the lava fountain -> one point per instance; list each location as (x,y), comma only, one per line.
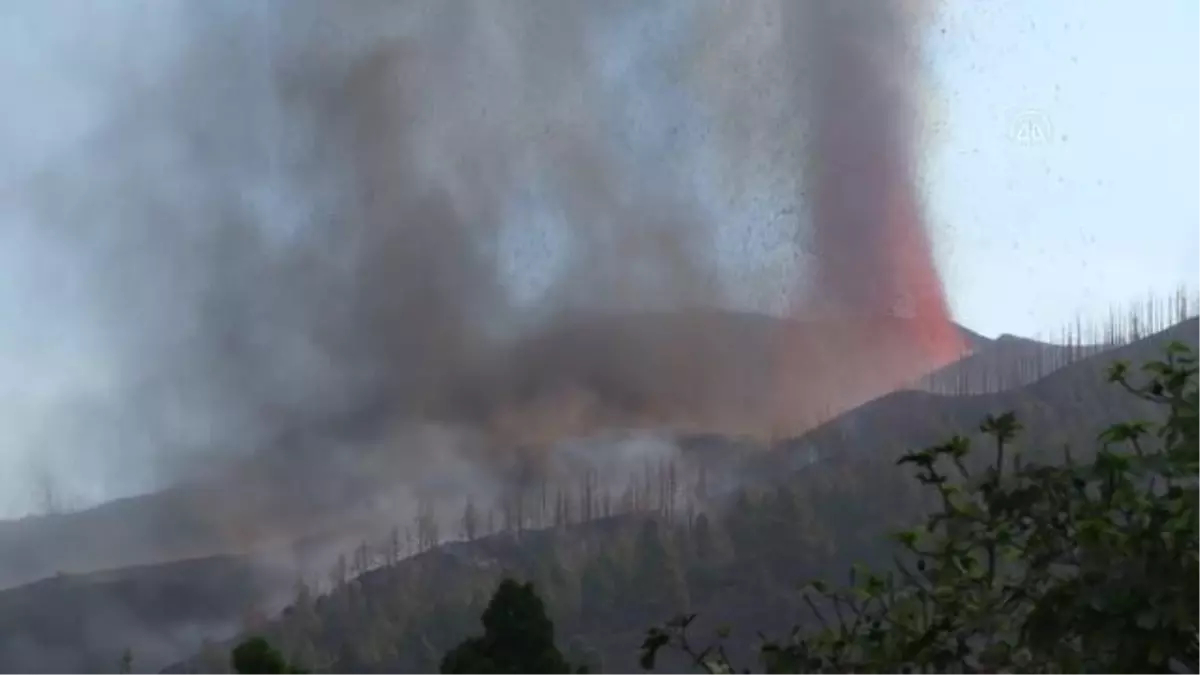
(875,288)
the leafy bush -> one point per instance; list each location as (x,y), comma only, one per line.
(1078,566)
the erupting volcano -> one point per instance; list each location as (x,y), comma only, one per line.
(875,283)
(302,236)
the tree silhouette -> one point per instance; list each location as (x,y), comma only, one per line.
(256,655)
(518,637)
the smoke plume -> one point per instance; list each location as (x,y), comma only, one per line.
(317,220)
(863,166)
(873,257)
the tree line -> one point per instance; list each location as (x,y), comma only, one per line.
(1084,563)
(1014,362)
(667,489)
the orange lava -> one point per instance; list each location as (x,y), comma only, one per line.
(860,346)
(908,253)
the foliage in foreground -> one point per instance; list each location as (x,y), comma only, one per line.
(1072,567)
(518,637)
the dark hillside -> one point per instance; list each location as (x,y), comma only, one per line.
(83,623)
(1011,361)
(1005,363)
(1072,404)
(605,581)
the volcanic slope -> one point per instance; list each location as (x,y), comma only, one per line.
(83,623)
(606,581)
(598,590)
(1005,363)
(1070,405)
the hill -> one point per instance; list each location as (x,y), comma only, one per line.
(1010,361)
(605,581)
(1005,363)
(82,623)
(1070,405)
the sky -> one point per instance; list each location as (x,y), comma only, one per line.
(1060,165)
(1108,208)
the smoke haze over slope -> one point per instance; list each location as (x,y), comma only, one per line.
(300,215)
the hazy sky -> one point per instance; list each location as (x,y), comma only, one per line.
(1109,208)
(1061,169)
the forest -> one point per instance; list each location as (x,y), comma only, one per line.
(1036,555)
(727,529)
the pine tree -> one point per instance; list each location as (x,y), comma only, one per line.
(338,575)
(255,655)
(394,547)
(470,521)
(518,637)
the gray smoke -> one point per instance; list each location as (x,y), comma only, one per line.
(314,219)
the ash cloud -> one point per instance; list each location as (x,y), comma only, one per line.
(308,221)
(874,255)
